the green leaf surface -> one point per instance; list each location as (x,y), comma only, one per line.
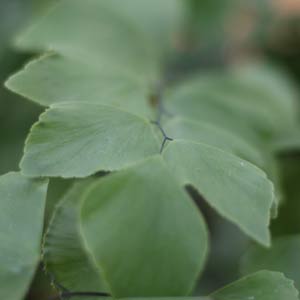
(191,101)
(112,54)
(131,21)
(78,139)
(53,79)
(284,256)
(151,244)
(168,16)
(235,188)
(250,96)
(56,189)
(268,87)
(268,112)
(22,203)
(92,31)
(197,131)
(64,253)
(264,285)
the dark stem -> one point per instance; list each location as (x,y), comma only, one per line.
(164,143)
(64,293)
(165,136)
(68,295)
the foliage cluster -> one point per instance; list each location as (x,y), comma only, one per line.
(136,145)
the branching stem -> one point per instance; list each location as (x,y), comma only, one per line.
(165,136)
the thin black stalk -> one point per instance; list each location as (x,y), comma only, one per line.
(69,295)
(165,136)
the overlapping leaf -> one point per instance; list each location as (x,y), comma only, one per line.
(91,32)
(236,189)
(54,78)
(106,215)
(152,244)
(64,252)
(106,52)
(100,52)
(202,132)
(254,97)
(78,139)
(21,221)
(95,22)
(249,110)
(101,55)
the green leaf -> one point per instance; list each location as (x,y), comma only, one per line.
(64,253)
(89,68)
(92,32)
(145,234)
(263,285)
(22,203)
(168,16)
(132,20)
(250,96)
(269,88)
(191,101)
(56,189)
(78,139)
(197,131)
(235,188)
(284,256)
(53,79)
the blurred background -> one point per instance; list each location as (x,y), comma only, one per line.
(215,34)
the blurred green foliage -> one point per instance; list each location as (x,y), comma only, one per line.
(204,46)
(16,115)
